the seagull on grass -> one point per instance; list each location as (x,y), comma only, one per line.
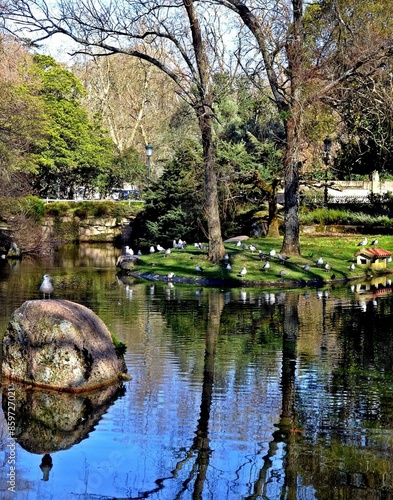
(199,269)
(266,266)
(243,272)
(363,243)
(283,258)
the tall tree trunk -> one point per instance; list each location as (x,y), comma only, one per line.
(204,109)
(291,242)
(212,213)
(295,54)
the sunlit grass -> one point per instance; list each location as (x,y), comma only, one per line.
(337,251)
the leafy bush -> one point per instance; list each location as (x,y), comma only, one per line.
(57,208)
(83,209)
(33,207)
(344,217)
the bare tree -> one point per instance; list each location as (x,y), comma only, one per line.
(174,37)
(134,99)
(301,74)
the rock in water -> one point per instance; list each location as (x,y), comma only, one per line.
(60,345)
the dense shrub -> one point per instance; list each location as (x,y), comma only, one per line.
(344,217)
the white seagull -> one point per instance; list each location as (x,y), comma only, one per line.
(46,287)
(243,272)
(198,269)
(363,242)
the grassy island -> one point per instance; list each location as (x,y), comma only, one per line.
(337,253)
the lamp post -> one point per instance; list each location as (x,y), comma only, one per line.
(327,144)
(149,152)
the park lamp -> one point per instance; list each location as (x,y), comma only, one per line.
(327,144)
(149,152)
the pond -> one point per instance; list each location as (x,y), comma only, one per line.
(235,393)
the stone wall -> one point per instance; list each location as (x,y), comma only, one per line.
(90,229)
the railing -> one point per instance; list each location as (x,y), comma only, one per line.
(52,200)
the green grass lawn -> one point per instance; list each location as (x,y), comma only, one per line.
(337,251)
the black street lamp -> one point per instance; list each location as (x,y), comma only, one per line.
(149,152)
(327,144)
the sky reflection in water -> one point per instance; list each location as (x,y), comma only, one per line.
(234,393)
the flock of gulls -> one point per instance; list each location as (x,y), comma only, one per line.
(266,259)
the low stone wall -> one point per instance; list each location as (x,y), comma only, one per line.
(89,229)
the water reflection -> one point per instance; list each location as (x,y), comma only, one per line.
(49,421)
(256,394)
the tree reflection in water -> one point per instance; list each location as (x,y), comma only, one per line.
(235,393)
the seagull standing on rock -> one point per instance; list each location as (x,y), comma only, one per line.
(46,287)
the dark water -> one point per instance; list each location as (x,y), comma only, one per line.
(235,394)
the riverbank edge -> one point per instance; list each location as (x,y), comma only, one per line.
(231,283)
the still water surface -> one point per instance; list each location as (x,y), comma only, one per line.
(235,394)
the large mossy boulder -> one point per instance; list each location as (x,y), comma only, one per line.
(60,345)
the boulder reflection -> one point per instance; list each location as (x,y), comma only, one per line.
(48,421)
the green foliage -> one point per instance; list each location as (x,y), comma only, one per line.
(127,167)
(345,217)
(35,207)
(83,209)
(174,205)
(120,347)
(24,124)
(77,152)
(57,208)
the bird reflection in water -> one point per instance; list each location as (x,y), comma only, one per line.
(46,466)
